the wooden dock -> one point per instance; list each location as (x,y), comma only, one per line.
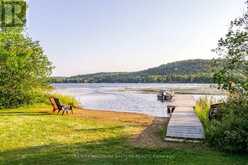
(184,124)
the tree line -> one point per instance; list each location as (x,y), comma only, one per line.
(187,71)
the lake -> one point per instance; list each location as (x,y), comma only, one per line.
(124,97)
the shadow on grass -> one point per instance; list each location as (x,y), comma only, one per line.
(112,151)
(109,151)
(24,113)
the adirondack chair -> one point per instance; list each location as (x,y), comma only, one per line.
(215,111)
(60,107)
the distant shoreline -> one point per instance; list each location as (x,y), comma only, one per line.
(209,89)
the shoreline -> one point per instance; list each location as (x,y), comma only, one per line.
(116,111)
(112,113)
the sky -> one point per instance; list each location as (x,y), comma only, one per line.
(89,36)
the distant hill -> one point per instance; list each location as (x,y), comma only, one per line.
(192,71)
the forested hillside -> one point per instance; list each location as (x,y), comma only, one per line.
(181,71)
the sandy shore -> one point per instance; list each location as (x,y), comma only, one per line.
(114,116)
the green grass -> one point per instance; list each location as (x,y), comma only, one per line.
(31,135)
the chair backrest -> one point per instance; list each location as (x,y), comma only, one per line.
(55,103)
(58,103)
(218,105)
(215,111)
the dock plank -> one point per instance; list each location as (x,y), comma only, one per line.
(184,124)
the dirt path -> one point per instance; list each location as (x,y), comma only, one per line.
(153,137)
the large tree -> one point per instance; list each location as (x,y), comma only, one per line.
(233,49)
(24,69)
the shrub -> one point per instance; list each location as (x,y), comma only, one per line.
(231,132)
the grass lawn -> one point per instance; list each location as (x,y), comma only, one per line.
(33,135)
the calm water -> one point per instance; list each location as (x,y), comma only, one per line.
(115,97)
